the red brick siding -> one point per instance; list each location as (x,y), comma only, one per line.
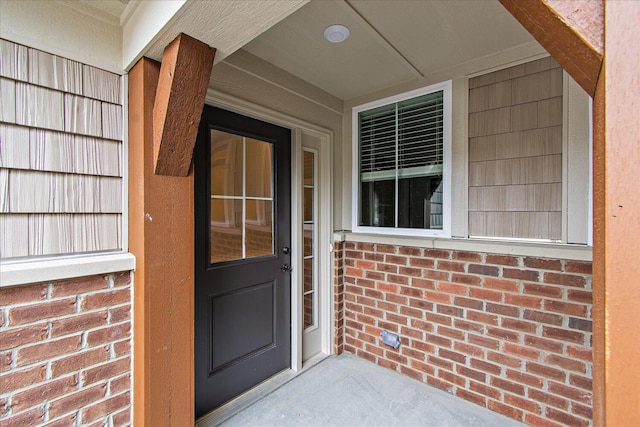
(338,293)
(509,333)
(65,349)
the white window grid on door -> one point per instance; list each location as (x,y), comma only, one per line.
(229,208)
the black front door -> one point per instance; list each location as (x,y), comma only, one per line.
(242,295)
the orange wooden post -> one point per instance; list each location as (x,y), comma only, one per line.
(161,233)
(617,203)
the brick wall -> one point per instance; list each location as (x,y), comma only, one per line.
(338,296)
(509,333)
(65,352)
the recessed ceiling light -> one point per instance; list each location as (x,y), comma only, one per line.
(336,33)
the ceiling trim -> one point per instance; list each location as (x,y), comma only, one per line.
(523,60)
(348,8)
(272,82)
(128,11)
(94,12)
(224,100)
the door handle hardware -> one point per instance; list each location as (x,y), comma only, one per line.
(286,250)
(286,267)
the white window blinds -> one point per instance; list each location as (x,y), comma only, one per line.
(404,138)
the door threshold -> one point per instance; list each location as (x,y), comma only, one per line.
(248,398)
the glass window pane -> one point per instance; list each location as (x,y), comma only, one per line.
(378,203)
(307,235)
(259,228)
(308,310)
(420,202)
(308,204)
(308,168)
(226,164)
(226,230)
(308,274)
(259,168)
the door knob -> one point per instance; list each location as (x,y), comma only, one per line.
(286,267)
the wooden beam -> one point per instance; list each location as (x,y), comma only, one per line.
(182,87)
(161,236)
(579,53)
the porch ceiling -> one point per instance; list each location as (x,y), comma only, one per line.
(391,42)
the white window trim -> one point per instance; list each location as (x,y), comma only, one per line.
(446,88)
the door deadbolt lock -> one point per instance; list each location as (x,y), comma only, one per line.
(286,250)
(286,267)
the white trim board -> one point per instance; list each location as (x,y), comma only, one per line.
(46,270)
(491,246)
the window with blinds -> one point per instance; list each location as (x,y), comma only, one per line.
(400,156)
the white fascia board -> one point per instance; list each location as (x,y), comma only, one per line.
(226,25)
(143,26)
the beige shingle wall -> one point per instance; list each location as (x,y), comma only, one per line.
(515,152)
(61,165)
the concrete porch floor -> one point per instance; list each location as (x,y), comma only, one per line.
(349,391)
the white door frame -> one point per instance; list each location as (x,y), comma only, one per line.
(300,128)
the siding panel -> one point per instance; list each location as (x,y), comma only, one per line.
(45,192)
(60,179)
(8,104)
(68,233)
(100,84)
(59,152)
(4,188)
(13,61)
(14,146)
(82,115)
(111,121)
(39,107)
(14,236)
(55,72)
(515,152)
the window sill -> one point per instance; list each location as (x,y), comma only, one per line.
(502,247)
(16,273)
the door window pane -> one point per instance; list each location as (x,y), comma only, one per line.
(241,197)
(258,168)
(308,275)
(226,164)
(308,168)
(308,204)
(226,230)
(259,228)
(308,310)
(307,235)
